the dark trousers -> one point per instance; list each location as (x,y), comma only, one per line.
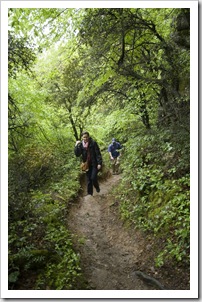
(91,177)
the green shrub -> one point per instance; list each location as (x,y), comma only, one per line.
(155,193)
(65,272)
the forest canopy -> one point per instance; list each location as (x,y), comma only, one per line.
(116,72)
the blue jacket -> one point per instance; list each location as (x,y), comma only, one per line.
(113,149)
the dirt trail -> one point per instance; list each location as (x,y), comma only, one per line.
(109,254)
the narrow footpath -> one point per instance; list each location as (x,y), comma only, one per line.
(109,253)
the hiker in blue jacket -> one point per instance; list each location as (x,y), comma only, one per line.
(115,155)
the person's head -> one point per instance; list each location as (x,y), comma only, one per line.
(85,136)
(113,141)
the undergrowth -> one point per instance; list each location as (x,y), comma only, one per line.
(155,192)
(39,241)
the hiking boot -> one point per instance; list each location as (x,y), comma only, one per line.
(98,190)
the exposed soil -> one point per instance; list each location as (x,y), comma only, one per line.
(111,252)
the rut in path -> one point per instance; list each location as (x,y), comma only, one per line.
(109,255)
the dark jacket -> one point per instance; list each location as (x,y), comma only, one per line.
(94,151)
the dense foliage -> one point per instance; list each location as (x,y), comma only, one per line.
(120,73)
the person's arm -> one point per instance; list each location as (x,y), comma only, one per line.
(110,154)
(111,157)
(119,147)
(98,156)
(78,149)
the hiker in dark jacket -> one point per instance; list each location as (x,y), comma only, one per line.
(89,150)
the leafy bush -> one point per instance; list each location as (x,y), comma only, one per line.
(41,185)
(64,272)
(156,198)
